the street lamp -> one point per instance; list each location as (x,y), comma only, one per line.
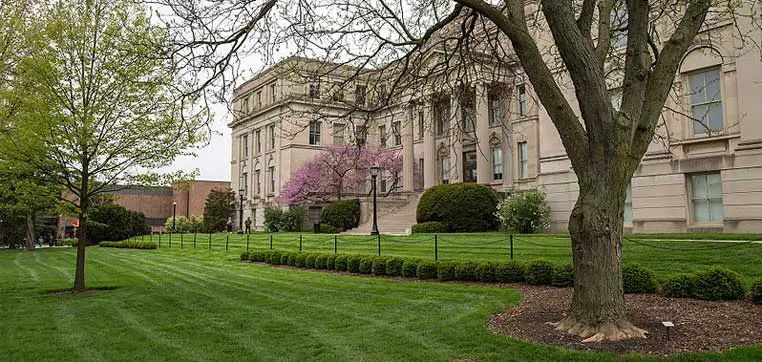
(174,215)
(241,192)
(374,170)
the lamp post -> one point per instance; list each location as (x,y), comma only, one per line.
(241,192)
(174,215)
(373,174)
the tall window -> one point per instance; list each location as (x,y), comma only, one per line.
(245,183)
(382,181)
(523,160)
(467,116)
(420,125)
(273,93)
(338,133)
(314,88)
(382,136)
(259,99)
(442,114)
(360,91)
(706,102)
(706,197)
(469,166)
(497,163)
(245,145)
(245,107)
(522,93)
(258,182)
(444,169)
(338,92)
(397,133)
(272,136)
(259,141)
(628,205)
(315,132)
(494,110)
(272,176)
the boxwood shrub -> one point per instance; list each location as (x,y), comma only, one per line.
(342,214)
(330,262)
(309,260)
(301,260)
(379,266)
(320,261)
(245,255)
(128,244)
(459,206)
(486,272)
(366,264)
(756,291)
(275,257)
(638,279)
(509,271)
(284,258)
(341,262)
(563,275)
(394,266)
(465,270)
(539,272)
(430,227)
(410,267)
(266,255)
(327,229)
(678,286)
(353,263)
(258,256)
(427,269)
(446,270)
(718,284)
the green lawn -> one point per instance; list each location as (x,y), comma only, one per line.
(173,305)
(665,257)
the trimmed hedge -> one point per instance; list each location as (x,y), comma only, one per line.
(563,275)
(678,286)
(394,266)
(301,260)
(340,263)
(430,227)
(486,272)
(366,264)
(309,261)
(292,259)
(756,291)
(427,269)
(638,279)
(342,214)
(284,258)
(718,284)
(330,262)
(461,207)
(446,270)
(466,270)
(245,256)
(539,272)
(327,229)
(353,263)
(128,244)
(321,261)
(509,271)
(410,267)
(275,257)
(379,266)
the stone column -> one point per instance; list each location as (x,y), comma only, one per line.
(483,149)
(429,147)
(408,160)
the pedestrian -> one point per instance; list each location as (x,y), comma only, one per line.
(230,225)
(248,225)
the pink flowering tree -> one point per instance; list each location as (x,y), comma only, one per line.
(339,170)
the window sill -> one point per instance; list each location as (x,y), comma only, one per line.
(706,138)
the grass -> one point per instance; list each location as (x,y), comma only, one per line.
(168,305)
(665,257)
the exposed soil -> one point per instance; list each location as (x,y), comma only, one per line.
(700,326)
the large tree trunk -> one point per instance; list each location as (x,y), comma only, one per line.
(84,203)
(29,245)
(597,311)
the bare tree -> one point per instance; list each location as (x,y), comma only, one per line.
(434,52)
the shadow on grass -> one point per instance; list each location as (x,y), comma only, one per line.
(69,291)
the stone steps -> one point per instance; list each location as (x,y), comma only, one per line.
(398,221)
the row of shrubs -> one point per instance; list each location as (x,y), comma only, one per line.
(128,244)
(713,284)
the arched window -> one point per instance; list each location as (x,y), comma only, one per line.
(443,165)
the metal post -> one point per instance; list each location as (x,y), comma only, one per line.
(300,243)
(227,241)
(170,240)
(210,241)
(181,241)
(335,241)
(436,248)
(379,244)
(247,242)
(271,241)
(194,240)
(510,237)
(374,230)
(159,239)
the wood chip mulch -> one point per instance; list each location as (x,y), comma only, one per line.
(700,326)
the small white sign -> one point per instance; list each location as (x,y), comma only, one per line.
(668,324)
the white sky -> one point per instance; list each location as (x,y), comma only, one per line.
(213,161)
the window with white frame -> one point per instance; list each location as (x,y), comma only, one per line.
(444,169)
(272,176)
(245,146)
(497,162)
(706,101)
(442,114)
(258,181)
(628,205)
(259,99)
(273,93)
(467,115)
(382,136)
(522,95)
(494,107)
(315,132)
(259,141)
(706,198)
(272,136)
(523,160)
(245,183)
(397,133)
(245,106)
(338,133)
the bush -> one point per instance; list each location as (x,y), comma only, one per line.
(509,271)
(309,261)
(327,229)
(718,284)
(446,270)
(183,225)
(341,262)
(218,207)
(394,266)
(266,257)
(485,272)
(321,261)
(245,256)
(293,219)
(756,291)
(284,258)
(465,270)
(330,262)
(379,266)
(113,222)
(275,257)
(292,258)
(525,212)
(638,279)
(563,275)
(69,242)
(459,206)
(678,286)
(427,269)
(430,227)
(273,216)
(353,263)
(539,272)
(342,214)
(128,244)
(366,265)
(258,256)
(410,267)
(300,261)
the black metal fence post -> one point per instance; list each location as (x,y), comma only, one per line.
(227,241)
(300,243)
(150,238)
(510,238)
(181,241)
(379,244)
(160,239)
(170,240)
(194,240)
(210,241)
(436,248)
(271,241)
(335,242)
(247,242)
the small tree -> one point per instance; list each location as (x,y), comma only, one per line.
(525,212)
(219,206)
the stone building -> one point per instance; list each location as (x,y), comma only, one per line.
(702,172)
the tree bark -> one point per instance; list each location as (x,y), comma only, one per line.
(84,203)
(29,245)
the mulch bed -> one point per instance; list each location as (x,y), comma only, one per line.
(700,326)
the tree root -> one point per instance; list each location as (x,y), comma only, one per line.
(606,331)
